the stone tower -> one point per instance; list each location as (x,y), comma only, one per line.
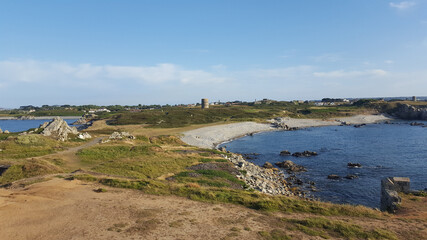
(205,103)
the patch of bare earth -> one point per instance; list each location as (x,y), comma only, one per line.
(62,209)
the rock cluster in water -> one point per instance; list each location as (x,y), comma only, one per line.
(266,180)
(291,166)
(58,128)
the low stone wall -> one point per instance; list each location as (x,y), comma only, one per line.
(390,187)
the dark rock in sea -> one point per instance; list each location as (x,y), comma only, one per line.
(416,124)
(354,165)
(334,177)
(298,181)
(351,176)
(268,165)
(291,166)
(359,125)
(222,149)
(249,156)
(304,154)
(285,153)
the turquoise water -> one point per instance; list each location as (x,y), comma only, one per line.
(384,150)
(23,125)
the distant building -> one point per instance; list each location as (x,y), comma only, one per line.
(205,103)
(414,98)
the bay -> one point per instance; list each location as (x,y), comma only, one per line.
(384,150)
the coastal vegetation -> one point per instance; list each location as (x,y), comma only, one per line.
(159,163)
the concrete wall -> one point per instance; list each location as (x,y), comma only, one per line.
(390,187)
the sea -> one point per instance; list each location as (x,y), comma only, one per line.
(23,125)
(384,150)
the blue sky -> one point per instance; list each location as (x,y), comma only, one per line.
(144,52)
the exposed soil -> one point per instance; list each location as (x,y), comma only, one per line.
(62,209)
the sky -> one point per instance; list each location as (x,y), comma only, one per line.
(133,52)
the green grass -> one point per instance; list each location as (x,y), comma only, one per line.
(206,160)
(253,200)
(29,168)
(325,228)
(104,153)
(178,116)
(26,146)
(143,162)
(275,234)
(220,174)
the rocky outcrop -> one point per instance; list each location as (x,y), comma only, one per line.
(334,177)
(85,119)
(304,154)
(390,187)
(406,111)
(6,132)
(119,136)
(285,153)
(262,179)
(291,166)
(351,176)
(354,165)
(58,128)
(268,165)
(1,131)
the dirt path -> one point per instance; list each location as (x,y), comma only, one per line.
(69,155)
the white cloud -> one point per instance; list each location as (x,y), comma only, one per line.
(402,5)
(389,61)
(36,71)
(351,74)
(24,82)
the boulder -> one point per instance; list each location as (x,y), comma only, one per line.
(354,165)
(285,153)
(334,177)
(291,166)
(351,176)
(416,124)
(6,132)
(359,125)
(84,136)
(304,154)
(222,149)
(121,135)
(268,165)
(58,128)
(1,131)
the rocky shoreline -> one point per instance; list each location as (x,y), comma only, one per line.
(266,180)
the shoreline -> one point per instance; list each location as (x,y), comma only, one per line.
(211,137)
(42,118)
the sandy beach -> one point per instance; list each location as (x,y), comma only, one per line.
(210,137)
